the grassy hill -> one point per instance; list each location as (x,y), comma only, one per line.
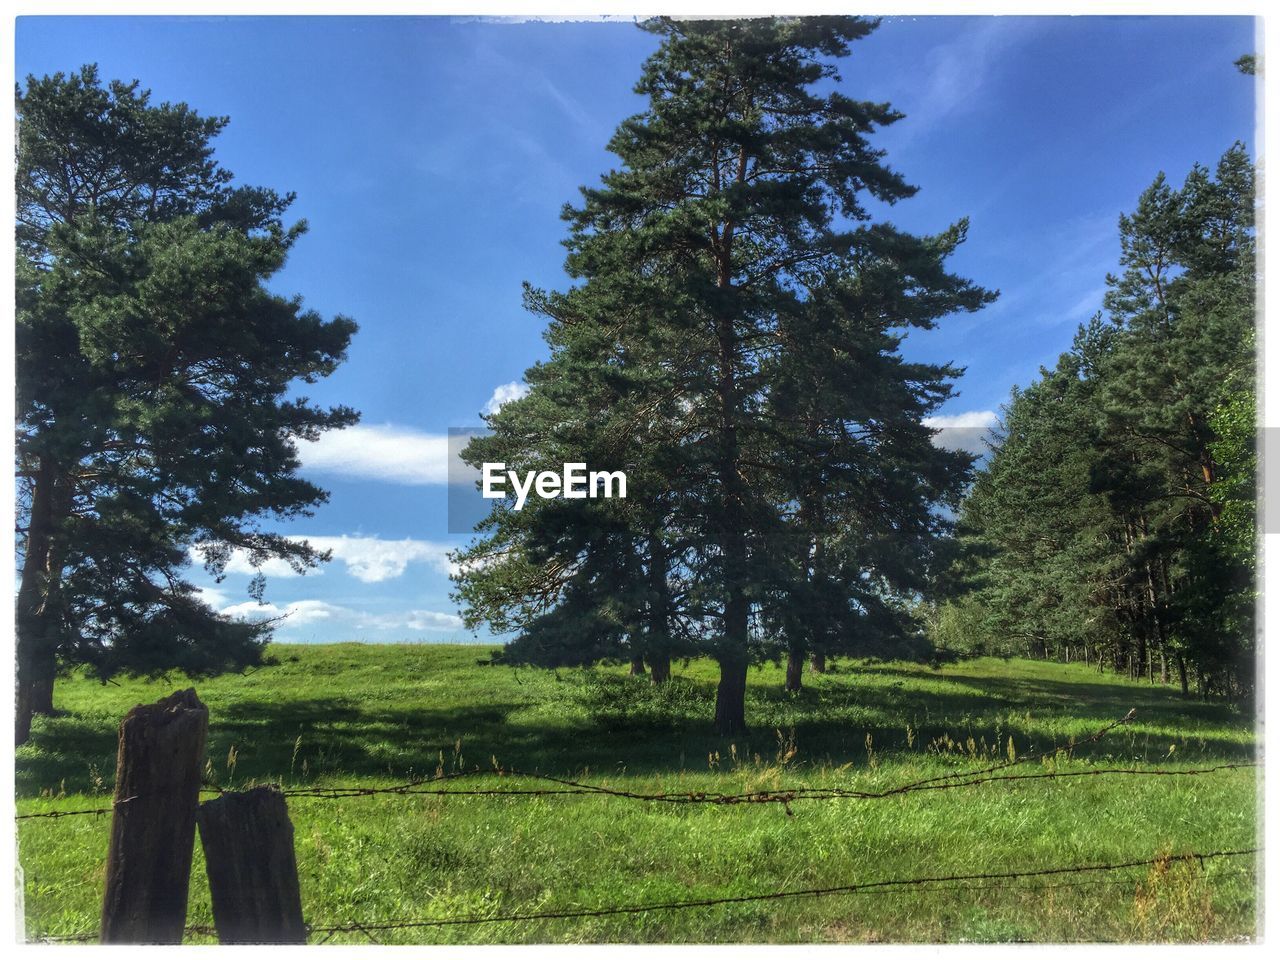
(349,713)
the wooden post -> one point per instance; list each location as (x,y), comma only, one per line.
(253,873)
(153,827)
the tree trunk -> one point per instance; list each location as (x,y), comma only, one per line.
(637,666)
(44,670)
(1182,675)
(731,697)
(659,668)
(818,663)
(795,670)
(731,694)
(36,631)
(36,668)
(659,639)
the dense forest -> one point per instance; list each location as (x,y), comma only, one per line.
(1114,519)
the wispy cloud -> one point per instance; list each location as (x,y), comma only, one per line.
(955,72)
(1076,256)
(416,620)
(974,418)
(299,613)
(373,560)
(1088,304)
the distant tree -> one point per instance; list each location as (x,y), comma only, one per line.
(728,252)
(152,372)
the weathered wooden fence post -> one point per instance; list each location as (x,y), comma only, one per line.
(158,767)
(253,873)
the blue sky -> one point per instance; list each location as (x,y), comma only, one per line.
(431,157)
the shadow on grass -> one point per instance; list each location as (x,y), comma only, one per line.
(601,721)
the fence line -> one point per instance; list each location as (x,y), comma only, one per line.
(354,926)
(575,786)
(943,883)
(781,795)
(147,899)
(785,796)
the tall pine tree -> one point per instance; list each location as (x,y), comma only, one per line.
(153,369)
(726,271)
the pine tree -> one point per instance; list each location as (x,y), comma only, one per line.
(1115,512)
(728,251)
(859,475)
(152,373)
(1185,305)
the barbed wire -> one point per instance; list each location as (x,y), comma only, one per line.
(777,795)
(971,882)
(784,796)
(356,926)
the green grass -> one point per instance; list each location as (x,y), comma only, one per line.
(350,713)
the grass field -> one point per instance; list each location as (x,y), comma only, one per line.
(350,713)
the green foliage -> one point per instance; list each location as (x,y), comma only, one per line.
(1116,513)
(1235,487)
(401,711)
(153,377)
(732,344)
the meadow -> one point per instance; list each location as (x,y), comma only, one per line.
(351,714)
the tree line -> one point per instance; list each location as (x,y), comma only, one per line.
(1114,521)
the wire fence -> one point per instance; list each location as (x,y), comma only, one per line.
(784,796)
(443,784)
(967,882)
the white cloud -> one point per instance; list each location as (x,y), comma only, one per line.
(372,560)
(962,431)
(505,394)
(388,453)
(975,418)
(300,613)
(212,596)
(413,620)
(431,620)
(368,559)
(295,614)
(239,563)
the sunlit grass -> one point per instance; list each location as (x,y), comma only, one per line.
(380,714)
